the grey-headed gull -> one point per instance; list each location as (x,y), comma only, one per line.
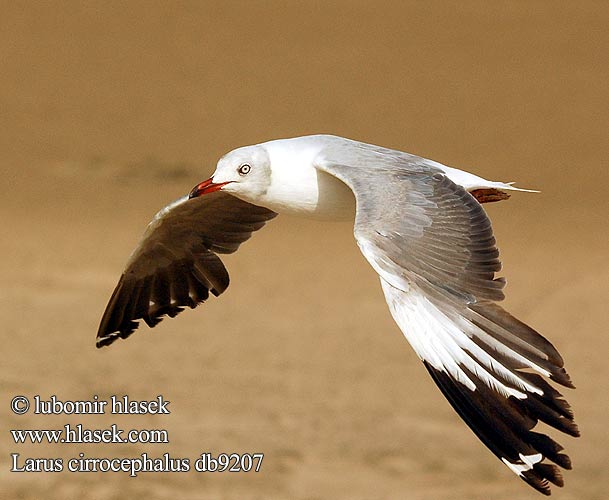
(421,226)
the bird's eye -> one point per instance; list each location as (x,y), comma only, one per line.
(244,169)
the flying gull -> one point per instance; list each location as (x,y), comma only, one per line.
(421,226)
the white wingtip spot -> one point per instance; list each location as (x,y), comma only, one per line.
(531,459)
(529,462)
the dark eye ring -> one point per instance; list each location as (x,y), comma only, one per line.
(244,169)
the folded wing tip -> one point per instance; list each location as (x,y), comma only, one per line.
(105,338)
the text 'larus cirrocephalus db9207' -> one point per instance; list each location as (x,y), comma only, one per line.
(421,226)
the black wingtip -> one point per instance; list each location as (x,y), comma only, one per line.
(505,426)
(106,338)
(183,284)
(105,341)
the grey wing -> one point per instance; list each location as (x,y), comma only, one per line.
(433,247)
(175,264)
(413,223)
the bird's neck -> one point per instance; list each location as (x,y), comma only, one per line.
(298,188)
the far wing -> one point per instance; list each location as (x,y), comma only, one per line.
(175,264)
(433,247)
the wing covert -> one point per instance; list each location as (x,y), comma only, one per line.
(418,225)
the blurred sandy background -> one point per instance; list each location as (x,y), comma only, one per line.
(109,110)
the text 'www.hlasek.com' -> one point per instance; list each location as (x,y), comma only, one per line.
(75,433)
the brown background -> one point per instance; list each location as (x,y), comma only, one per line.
(110,110)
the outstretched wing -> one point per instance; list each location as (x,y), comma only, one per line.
(433,247)
(175,264)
